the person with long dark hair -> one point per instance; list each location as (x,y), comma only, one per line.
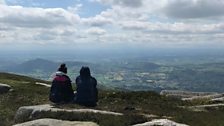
(86,87)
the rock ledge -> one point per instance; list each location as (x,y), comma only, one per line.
(28,113)
(54,122)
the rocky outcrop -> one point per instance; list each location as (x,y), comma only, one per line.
(213,100)
(161,122)
(4,88)
(212,97)
(200,108)
(28,113)
(54,122)
(217,100)
(185,94)
(189,96)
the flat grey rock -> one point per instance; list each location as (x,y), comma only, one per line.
(28,113)
(4,88)
(221,99)
(186,94)
(54,122)
(161,122)
(190,96)
(208,97)
(200,108)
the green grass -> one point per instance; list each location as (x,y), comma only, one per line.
(25,92)
(132,104)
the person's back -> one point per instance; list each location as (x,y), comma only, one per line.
(61,89)
(87,93)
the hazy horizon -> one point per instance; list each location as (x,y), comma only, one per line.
(96,54)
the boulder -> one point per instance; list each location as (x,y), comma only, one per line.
(43,84)
(54,122)
(4,88)
(28,113)
(161,122)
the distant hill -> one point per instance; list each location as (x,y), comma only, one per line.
(41,68)
(33,65)
(47,66)
(41,65)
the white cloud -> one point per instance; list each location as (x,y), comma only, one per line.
(36,17)
(150,22)
(128,3)
(76,8)
(36,25)
(96,31)
(173,28)
(54,34)
(96,21)
(153,22)
(172,8)
(194,8)
(2,2)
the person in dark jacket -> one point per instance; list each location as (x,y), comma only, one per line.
(61,88)
(87,93)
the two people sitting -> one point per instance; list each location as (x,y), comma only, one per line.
(86,88)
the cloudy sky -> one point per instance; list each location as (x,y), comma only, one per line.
(151,23)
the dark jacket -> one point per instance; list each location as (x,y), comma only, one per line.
(87,93)
(61,89)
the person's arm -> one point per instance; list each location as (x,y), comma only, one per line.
(95,89)
(69,84)
(94,82)
(77,81)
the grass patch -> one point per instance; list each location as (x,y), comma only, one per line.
(132,104)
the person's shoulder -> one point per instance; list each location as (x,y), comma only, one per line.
(94,79)
(78,77)
(67,77)
(61,78)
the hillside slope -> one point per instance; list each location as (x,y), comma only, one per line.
(136,106)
